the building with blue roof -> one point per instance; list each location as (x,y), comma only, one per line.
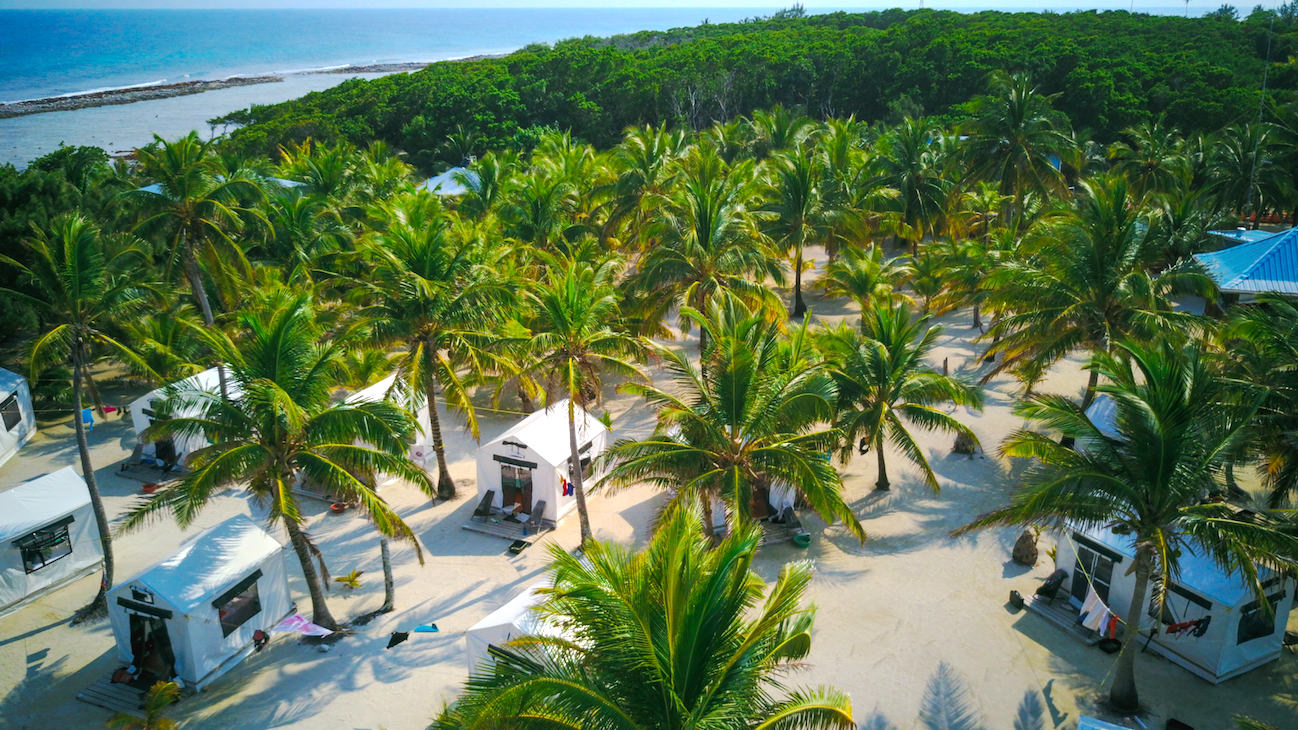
(1211,622)
(1264,265)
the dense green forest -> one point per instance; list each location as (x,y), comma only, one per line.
(1112,70)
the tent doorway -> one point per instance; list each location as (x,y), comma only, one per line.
(515,489)
(1095,566)
(151,648)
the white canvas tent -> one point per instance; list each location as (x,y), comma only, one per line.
(512,620)
(421,451)
(1238,635)
(17,419)
(144,408)
(448,183)
(193,615)
(529,462)
(48,536)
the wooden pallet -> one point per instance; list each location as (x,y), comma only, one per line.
(115,697)
(505,529)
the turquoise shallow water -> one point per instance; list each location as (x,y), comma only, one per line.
(46,53)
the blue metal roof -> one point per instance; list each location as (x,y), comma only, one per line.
(1266,265)
(1242,235)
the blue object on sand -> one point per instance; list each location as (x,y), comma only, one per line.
(429,629)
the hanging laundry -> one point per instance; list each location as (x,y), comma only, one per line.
(1111,629)
(1094,613)
(566,485)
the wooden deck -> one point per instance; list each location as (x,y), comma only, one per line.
(115,697)
(149,474)
(1061,613)
(498,526)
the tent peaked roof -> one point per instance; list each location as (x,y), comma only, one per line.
(1256,267)
(546,431)
(34,504)
(210,563)
(448,183)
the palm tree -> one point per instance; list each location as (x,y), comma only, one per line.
(193,203)
(576,337)
(1084,283)
(1262,343)
(707,241)
(1176,423)
(642,165)
(283,428)
(865,276)
(72,278)
(882,378)
(1152,158)
(429,290)
(795,214)
(156,701)
(909,162)
(754,416)
(678,635)
(778,130)
(305,234)
(1017,140)
(1244,170)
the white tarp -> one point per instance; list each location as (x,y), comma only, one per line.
(209,380)
(232,557)
(539,446)
(33,515)
(512,620)
(448,183)
(421,451)
(17,419)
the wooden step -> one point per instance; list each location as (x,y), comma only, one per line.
(115,697)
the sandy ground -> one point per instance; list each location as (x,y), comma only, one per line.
(889,612)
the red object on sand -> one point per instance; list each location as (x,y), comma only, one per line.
(149,488)
(338,507)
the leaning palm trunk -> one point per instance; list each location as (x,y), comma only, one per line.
(1123,696)
(196,285)
(578,481)
(389,585)
(1089,396)
(99,606)
(799,306)
(320,614)
(445,485)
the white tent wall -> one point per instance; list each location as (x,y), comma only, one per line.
(46,505)
(1201,590)
(421,451)
(17,418)
(226,560)
(208,380)
(540,443)
(510,621)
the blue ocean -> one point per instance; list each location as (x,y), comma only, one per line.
(48,53)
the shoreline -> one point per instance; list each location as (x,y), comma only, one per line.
(149,92)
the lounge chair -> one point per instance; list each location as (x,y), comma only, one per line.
(1051,588)
(483,510)
(534,520)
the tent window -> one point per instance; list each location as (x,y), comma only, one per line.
(45,546)
(237,609)
(9,411)
(515,488)
(1255,622)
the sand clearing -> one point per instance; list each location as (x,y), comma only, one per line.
(889,611)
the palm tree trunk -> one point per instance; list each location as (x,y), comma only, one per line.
(195,277)
(882,483)
(389,586)
(574,467)
(1089,396)
(709,521)
(1123,696)
(445,485)
(799,306)
(320,614)
(99,606)
(978,319)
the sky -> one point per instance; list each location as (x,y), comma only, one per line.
(810,4)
